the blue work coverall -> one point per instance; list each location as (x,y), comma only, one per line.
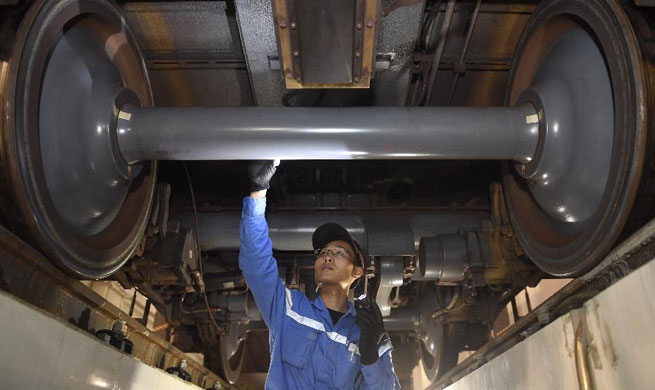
(307,351)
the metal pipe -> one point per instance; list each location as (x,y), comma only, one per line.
(252,133)
(460,66)
(438,52)
(581,364)
(292,231)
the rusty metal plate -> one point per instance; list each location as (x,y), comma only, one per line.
(347,61)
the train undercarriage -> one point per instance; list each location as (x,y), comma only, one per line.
(472,148)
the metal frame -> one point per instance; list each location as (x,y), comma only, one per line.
(631,254)
(28,275)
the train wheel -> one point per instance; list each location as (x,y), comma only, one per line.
(580,63)
(438,346)
(226,356)
(72,63)
(439,351)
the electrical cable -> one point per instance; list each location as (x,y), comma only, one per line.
(202,275)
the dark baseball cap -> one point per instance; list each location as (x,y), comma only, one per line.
(331,231)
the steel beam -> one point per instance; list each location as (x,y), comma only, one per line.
(251,133)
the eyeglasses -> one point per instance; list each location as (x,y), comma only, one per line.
(336,252)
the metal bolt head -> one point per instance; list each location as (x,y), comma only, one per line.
(293,25)
(120,327)
(359,26)
(358,54)
(370,23)
(182,365)
(356,79)
(296,53)
(298,79)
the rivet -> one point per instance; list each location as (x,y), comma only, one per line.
(365,74)
(359,26)
(293,25)
(296,54)
(356,79)
(370,23)
(282,23)
(298,79)
(358,54)
(289,74)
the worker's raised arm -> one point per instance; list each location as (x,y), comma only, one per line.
(256,250)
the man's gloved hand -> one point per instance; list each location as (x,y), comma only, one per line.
(260,173)
(369,319)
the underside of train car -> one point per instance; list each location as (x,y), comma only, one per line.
(472,148)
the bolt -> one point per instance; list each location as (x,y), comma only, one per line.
(358,54)
(370,23)
(120,327)
(298,79)
(359,26)
(293,25)
(296,53)
(289,74)
(182,365)
(365,74)
(356,79)
(216,386)
(282,23)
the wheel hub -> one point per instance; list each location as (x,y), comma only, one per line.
(77,140)
(580,65)
(573,95)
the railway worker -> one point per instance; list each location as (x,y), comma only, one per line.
(322,344)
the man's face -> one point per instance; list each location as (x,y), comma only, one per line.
(334,264)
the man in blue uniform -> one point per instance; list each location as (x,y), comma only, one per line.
(320,344)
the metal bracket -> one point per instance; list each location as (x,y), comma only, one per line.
(391,275)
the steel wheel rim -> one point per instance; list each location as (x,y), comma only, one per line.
(231,365)
(432,359)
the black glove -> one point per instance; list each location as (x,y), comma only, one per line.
(369,319)
(260,173)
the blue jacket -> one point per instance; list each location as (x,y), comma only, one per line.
(307,351)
